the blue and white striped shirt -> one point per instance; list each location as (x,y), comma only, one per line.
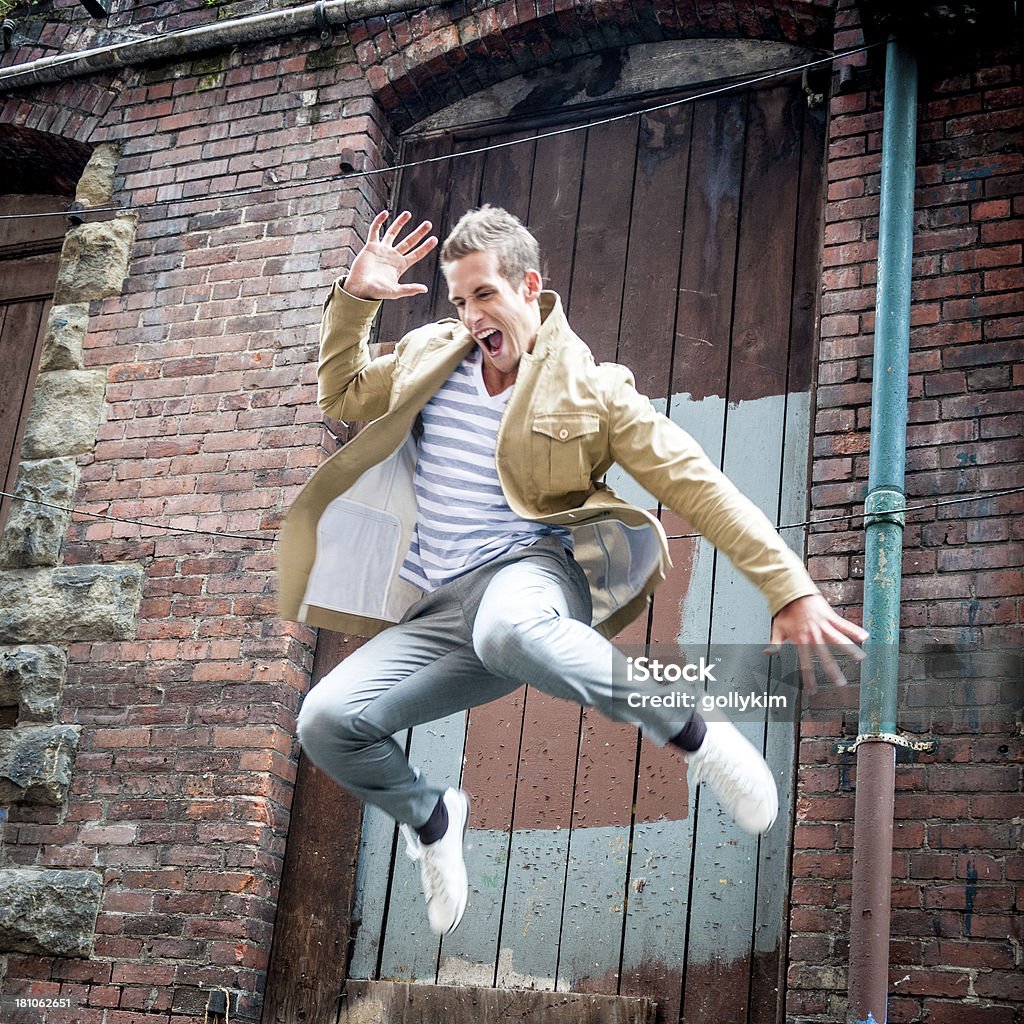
(463,519)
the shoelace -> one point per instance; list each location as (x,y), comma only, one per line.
(413,846)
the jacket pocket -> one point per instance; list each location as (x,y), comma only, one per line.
(560,450)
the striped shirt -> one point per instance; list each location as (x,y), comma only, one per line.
(463,519)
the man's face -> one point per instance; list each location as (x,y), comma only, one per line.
(502,317)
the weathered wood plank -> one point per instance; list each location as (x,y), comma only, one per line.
(470,955)
(420,194)
(21,336)
(460,193)
(771,914)
(655,245)
(704,318)
(369,1002)
(590,948)
(653,941)
(595,881)
(554,205)
(595,295)
(720,958)
(372,885)
(26,236)
(409,948)
(531,920)
(508,173)
(764,271)
(32,277)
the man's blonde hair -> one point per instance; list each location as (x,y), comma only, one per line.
(492,229)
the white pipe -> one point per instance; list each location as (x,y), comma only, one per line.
(221,35)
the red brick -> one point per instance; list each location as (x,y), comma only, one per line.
(960,1012)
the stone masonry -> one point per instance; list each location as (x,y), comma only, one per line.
(44,606)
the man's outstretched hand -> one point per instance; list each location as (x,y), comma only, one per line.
(376,271)
(811,625)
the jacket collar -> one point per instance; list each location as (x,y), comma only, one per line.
(554,327)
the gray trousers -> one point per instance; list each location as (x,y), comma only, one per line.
(523,617)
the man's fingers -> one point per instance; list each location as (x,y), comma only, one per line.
(806,662)
(420,251)
(831,666)
(844,643)
(376,224)
(396,227)
(413,238)
(405,290)
(847,628)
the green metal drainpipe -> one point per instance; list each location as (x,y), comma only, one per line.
(877,739)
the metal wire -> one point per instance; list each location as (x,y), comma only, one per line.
(263,539)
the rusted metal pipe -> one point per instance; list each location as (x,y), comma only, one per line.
(870,904)
(316,18)
(872,881)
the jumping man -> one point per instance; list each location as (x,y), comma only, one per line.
(467,530)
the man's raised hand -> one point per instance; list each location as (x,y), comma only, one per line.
(814,628)
(376,271)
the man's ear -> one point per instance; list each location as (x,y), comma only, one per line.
(533,284)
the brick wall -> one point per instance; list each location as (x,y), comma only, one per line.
(182,783)
(957,864)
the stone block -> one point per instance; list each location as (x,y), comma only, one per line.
(32,678)
(96,185)
(48,912)
(36,763)
(69,603)
(94,260)
(65,336)
(65,415)
(34,533)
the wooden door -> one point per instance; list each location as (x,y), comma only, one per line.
(28,272)
(684,245)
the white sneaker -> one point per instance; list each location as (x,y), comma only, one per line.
(730,764)
(442,869)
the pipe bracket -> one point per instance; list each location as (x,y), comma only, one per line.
(885,506)
(322,23)
(896,739)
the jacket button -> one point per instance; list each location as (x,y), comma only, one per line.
(563,434)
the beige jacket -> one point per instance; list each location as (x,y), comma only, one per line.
(567,420)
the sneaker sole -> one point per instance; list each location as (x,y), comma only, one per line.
(465,825)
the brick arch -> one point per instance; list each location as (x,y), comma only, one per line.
(421,62)
(38,163)
(73,110)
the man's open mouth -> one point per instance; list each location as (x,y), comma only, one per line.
(491,342)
